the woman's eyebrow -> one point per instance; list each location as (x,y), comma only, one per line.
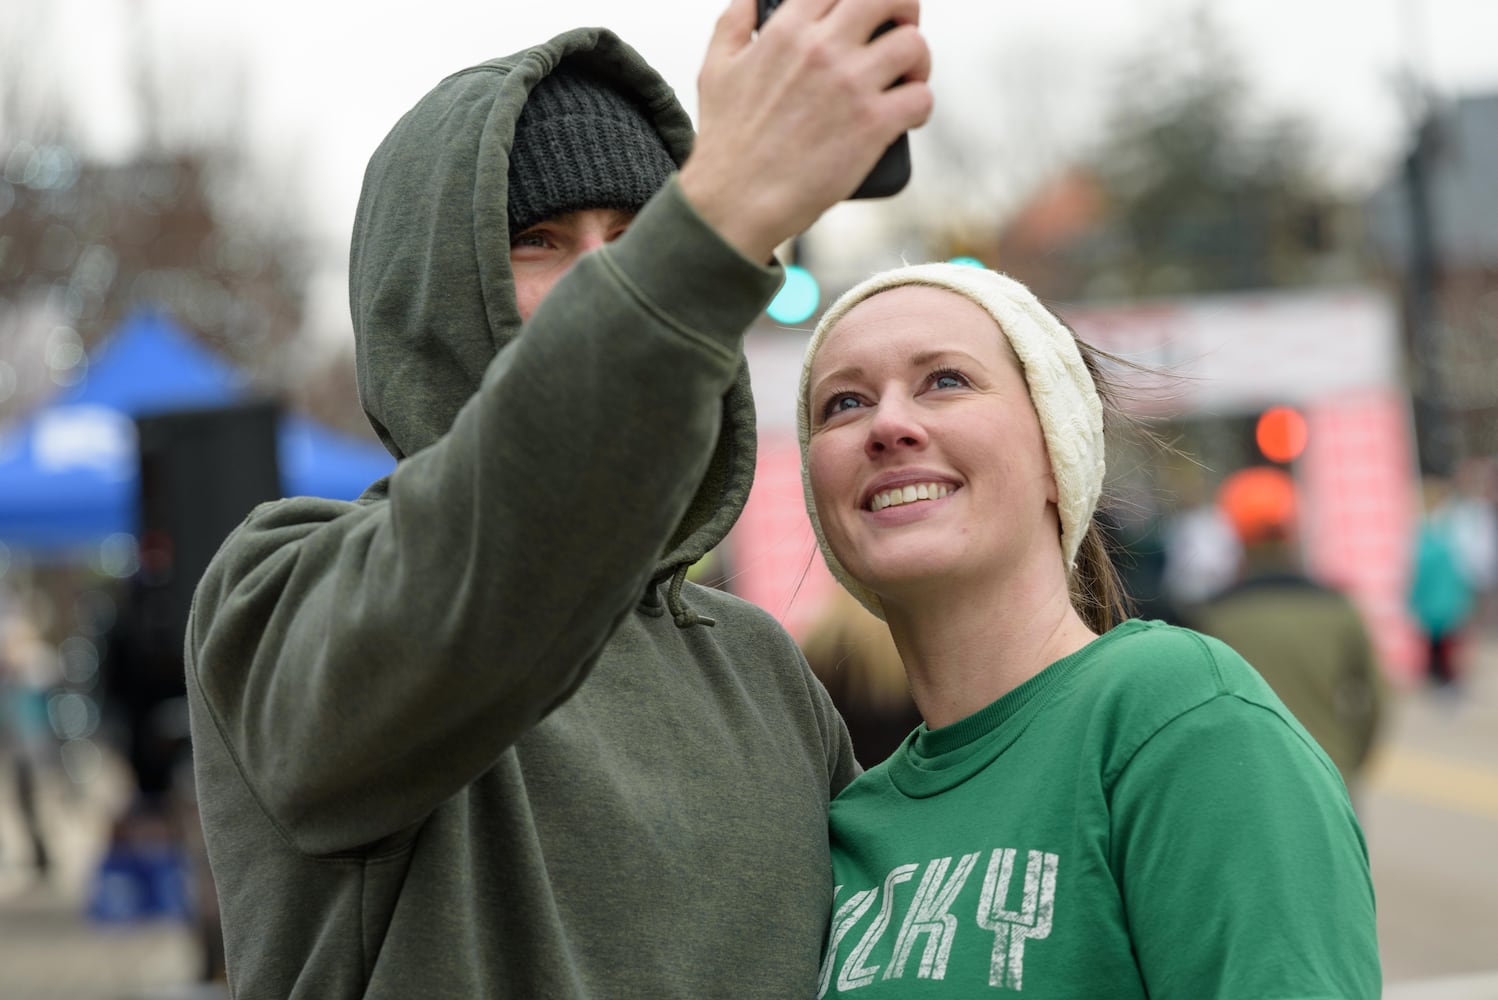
(925,358)
(847,373)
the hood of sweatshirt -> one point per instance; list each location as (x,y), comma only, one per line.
(430,285)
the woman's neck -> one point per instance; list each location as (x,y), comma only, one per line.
(965,647)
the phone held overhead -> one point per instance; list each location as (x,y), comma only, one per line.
(892,171)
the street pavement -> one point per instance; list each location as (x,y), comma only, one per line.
(1429,809)
(1430,813)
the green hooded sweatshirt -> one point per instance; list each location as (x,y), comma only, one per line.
(473,736)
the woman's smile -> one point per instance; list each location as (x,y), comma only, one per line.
(908,493)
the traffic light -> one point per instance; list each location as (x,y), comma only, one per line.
(798,298)
(1281,434)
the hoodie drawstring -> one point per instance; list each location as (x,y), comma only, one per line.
(683,616)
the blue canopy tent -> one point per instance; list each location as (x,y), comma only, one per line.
(68,472)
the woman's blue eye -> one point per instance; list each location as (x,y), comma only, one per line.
(947,380)
(838,404)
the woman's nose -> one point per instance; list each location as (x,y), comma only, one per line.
(895,425)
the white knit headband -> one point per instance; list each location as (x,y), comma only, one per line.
(1061,388)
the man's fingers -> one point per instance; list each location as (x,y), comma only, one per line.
(912,102)
(861,18)
(734,28)
(802,11)
(902,55)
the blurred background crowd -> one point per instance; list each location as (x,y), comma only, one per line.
(1315,454)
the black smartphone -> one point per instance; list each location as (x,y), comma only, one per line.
(892,171)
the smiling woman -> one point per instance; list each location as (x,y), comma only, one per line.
(922,437)
(943,346)
(1093,807)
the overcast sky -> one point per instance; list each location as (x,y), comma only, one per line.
(321,81)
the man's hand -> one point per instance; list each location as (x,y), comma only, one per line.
(792,120)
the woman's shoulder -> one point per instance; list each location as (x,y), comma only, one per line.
(1173,654)
(1158,671)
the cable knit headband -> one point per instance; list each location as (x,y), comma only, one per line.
(1061,389)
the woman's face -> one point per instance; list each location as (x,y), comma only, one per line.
(926,458)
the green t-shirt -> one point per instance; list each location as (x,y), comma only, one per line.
(1142,819)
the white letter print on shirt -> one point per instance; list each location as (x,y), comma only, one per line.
(928,914)
(1012,928)
(847,915)
(854,973)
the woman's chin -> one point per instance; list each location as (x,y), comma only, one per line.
(904,578)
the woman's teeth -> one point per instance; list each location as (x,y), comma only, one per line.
(909,494)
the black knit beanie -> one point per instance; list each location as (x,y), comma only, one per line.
(581,144)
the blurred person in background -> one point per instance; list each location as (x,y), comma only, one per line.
(852,653)
(1442,597)
(1473,522)
(475,735)
(1308,640)
(1094,807)
(1201,551)
(153,866)
(28,671)
(145,697)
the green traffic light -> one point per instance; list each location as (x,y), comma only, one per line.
(797,299)
(967,262)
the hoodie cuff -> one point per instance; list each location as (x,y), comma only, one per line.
(685,270)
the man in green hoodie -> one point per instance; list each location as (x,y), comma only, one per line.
(474,735)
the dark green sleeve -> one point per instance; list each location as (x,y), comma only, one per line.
(1243,870)
(364,662)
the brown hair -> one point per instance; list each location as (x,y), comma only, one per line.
(1097,591)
